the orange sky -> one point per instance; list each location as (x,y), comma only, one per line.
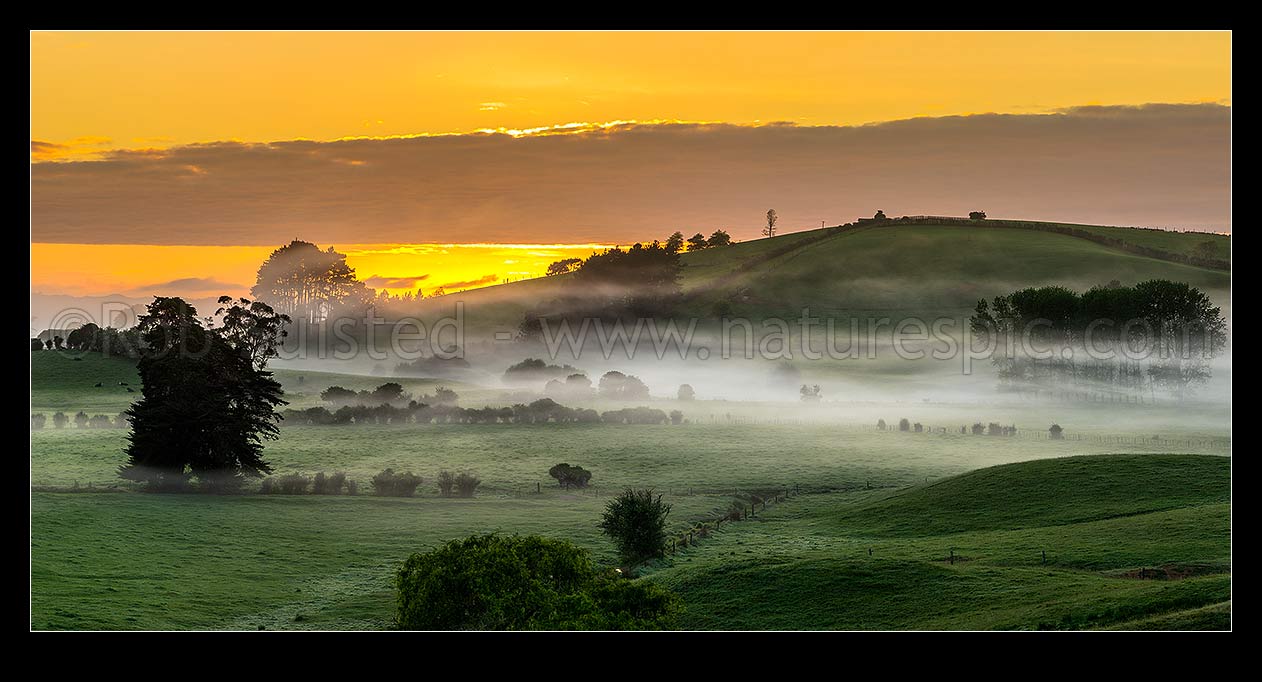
(210,271)
(96,92)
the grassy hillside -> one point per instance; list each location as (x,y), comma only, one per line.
(900,269)
(929,270)
(1042,493)
(802,564)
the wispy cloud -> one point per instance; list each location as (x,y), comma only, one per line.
(1164,165)
(189,285)
(491,106)
(406,282)
(465,284)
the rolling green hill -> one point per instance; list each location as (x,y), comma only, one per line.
(891,269)
(968,553)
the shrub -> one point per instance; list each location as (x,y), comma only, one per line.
(918,427)
(60,420)
(880,425)
(466,484)
(292,484)
(567,475)
(978,429)
(81,419)
(100,421)
(491,582)
(37,420)
(390,484)
(1056,432)
(676,417)
(319,484)
(904,425)
(446,482)
(636,521)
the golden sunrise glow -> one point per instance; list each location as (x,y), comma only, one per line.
(206,271)
(92,91)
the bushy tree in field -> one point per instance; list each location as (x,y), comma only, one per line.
(675,242)
(1056,432)
(36,344)
(904,425)
(492,582)
(338,395)
(207,403)
(81,419)
(636,522)
(676,417)
(60,420)
(570,476)
(37,420)
(619,386)
(686,392)
(697,242)
(880,425)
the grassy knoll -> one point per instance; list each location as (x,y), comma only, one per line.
(811,563)
(930,270)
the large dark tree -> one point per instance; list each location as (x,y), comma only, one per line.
(304,282)
(207,403)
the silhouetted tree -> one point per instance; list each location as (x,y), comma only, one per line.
(977,215)
(636,522)
(719,238)
(904,425)
(206,402)
(36,344)
(675,242)
(81,338)
(338,395)
(770,229)
(686,392)
(563,266)
(57,341)
(1056,432)
(697,242)
(619,386)
(304,282)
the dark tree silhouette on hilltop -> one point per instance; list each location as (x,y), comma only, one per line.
(304,282)
(770,229)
